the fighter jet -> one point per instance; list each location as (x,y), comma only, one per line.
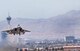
(18,30)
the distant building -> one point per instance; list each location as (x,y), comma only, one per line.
(3,36)
(57,48)
(67,48)
(70,39)
(71,48)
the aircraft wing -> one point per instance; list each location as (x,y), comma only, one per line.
(9,31)
(6,31)
(27,31)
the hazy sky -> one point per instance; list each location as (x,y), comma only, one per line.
(36,8)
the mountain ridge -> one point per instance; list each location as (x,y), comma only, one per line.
(54,27)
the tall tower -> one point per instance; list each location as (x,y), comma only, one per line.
(8,19)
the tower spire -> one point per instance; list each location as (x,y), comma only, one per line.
(8,18)
(8,14)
